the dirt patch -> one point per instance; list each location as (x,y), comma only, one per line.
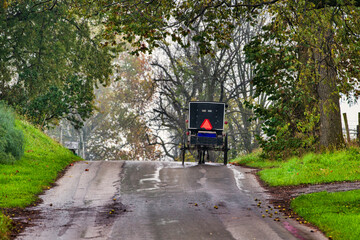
(21,219)
(107,214)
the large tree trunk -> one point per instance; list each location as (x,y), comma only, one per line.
(330,117)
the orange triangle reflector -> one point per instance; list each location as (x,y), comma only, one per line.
(206,124)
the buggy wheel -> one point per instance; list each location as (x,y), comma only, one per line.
(183,156)
(183,152)
(225,150)
(199,156)
(203,157)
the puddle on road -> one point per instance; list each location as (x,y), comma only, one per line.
(202,180)
(239,176)
(166,222)
(154,177)
(154,180)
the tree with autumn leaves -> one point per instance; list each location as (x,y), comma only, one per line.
(306,57)
(119,129)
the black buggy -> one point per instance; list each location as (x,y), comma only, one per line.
(205,130)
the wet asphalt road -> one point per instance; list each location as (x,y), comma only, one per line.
(157,200)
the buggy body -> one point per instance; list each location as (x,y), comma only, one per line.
(205,130)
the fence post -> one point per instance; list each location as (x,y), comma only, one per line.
(358,128)
(347,128)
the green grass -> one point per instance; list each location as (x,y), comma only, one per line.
(255,160)
(310,169)
(22,181)
(336,214)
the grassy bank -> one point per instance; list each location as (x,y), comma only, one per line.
(22,181)
(310,169)
(336,214)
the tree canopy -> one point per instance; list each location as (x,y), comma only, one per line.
(51,59)
(305,58)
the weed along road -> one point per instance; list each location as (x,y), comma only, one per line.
(159,200)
